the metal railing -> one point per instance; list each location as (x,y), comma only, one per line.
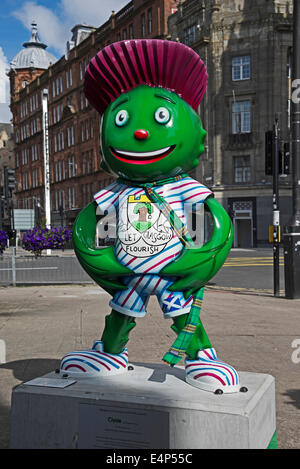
(55,269)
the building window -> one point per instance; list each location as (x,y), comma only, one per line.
(35,152)
(69,79)
(25,156)
(70,136)
(124,34)
(150,24)
(60,173)
(241,68)
(130,28)
(92,128)
(242,169)
(241,117)
(143,24)
(82,101)
(72,200)
(35,178)
(33,102)
(25,184)
(62,137)
(60,200)
(71,166)
(190,34)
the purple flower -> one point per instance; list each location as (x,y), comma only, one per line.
(3,241)
(46,238)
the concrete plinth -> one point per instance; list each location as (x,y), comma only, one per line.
(149,407)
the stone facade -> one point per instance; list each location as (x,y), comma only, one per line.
(246,45)
(6,160)
(73,125)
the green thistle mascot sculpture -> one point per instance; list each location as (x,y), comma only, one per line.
(148,92)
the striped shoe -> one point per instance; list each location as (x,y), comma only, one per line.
(94,362)
(209,373)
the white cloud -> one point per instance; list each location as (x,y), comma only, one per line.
(51,30)
(55,29)
(92,12)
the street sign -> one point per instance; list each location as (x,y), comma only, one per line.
(24,219)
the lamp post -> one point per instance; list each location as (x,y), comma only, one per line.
(46,159)
(276,212)
(292,233)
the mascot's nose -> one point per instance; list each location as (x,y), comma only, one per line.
(141,134)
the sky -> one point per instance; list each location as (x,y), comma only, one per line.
(54,18)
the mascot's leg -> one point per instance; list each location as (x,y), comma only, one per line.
(203,368)
(115,334)
(108,356)
(199,339)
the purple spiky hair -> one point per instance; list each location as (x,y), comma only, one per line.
(124,65)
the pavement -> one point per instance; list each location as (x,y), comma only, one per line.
(253,332)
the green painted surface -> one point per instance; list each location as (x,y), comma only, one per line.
(273,443)
(183,130)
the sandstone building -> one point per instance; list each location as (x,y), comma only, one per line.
(246,45)
(7,160)
(73,125)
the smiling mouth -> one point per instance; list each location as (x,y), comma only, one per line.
(141,157)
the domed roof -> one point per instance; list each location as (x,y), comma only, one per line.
(34,54)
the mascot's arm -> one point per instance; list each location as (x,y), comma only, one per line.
(101,264)
(196,266)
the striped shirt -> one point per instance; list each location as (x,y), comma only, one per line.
(146,242)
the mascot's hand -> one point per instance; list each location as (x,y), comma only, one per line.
(196,266)
(100,264)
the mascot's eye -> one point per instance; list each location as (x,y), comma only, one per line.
(162,115)
(121,118)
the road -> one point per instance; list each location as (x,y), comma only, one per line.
(244,270)
(249,270)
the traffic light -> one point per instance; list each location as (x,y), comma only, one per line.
(284,167)
(284,155)
(269,153)
(9,182)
